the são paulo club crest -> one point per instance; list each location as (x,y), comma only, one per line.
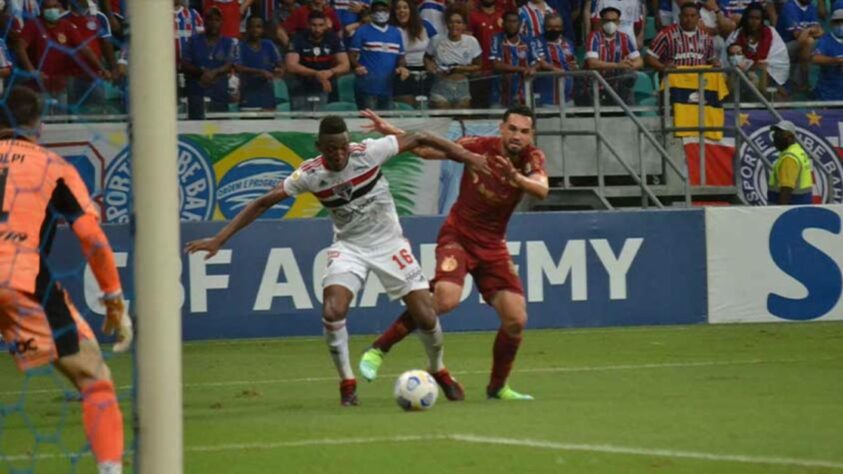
(828,172)
(250,179)
(196,186)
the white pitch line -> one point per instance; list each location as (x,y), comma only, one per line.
(587,368)
(498,441)
(314,442)
(665,453)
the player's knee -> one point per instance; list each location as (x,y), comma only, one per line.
(446,302)
(334,310)
(514,322)
(84,370)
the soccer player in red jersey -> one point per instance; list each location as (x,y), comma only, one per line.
(472,240)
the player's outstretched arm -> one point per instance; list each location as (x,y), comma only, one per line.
(535,184)
(452,151)
(426,145)
(384,127)
(241,220)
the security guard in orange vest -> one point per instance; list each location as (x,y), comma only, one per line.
(791,178)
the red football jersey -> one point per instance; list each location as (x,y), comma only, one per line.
(485,204)
(41,42)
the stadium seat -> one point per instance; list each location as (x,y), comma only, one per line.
(346,88)
(579,53)
(813,75)
(340,106)
(396,105)
(643,87)
(651,101)
(281,93)
(112,91)
(650,28)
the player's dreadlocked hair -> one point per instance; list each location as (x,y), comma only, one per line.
(522,110)
(332,125)
(22,108)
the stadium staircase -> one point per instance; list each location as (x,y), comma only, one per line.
(618,156)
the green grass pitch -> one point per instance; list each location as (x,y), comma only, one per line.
(685,399)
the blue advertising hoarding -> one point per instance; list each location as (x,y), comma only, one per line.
(583,269)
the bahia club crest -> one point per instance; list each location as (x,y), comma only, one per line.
(753,173)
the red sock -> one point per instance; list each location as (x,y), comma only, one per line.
(503,355)
(396,332)
(103,421)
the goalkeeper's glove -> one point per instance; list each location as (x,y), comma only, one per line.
(117,320)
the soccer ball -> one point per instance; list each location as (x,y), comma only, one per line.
(416,390)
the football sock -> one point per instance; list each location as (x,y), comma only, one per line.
(503,355)
(433,342)
(103,423)
(396,332)
(336,335)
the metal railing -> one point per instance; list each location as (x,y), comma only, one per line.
(598,83)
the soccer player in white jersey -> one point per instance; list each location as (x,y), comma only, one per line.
(347,179)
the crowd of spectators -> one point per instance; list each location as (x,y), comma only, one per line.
(382,54)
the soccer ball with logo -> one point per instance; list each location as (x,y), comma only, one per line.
(416,390)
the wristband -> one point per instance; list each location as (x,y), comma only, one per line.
(115,295)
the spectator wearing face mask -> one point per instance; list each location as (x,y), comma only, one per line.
(377,54)
(39,38)
(555,53)
(761,47)
(614,55)
(755,72)
(632,17)
(828,55)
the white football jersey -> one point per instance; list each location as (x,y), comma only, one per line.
(357,197)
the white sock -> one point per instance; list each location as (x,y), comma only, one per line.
(110,468)
(434,344)
(336,335)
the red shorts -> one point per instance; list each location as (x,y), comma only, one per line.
(490,265)
(36,334)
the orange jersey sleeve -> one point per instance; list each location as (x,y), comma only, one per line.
(72,201)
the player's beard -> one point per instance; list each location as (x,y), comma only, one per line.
(512,150)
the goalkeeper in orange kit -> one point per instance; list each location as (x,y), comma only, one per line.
(38,188)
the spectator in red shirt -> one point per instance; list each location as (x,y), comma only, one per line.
(95,32)
(232,14)
(48,41)
(484,22)
(300,20)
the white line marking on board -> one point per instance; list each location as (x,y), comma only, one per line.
(587,368)
(491,440)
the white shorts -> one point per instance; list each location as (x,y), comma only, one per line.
(394,263)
